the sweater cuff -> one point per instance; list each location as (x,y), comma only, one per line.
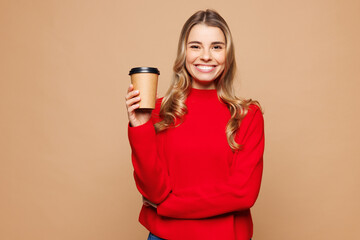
(140,135)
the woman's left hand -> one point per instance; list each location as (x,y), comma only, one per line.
(147,203)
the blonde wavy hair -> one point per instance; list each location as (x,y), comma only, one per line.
(173,104)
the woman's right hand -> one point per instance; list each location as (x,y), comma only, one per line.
(136,116)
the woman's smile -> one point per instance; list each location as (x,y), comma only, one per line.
(205,68)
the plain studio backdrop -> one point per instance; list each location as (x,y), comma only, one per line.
(65,167)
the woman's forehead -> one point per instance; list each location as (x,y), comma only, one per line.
(204,33)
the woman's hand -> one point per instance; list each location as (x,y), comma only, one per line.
(147,203)
(136,116)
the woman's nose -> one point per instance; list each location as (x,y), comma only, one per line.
(206,55)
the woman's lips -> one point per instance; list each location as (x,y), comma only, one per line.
(205,68)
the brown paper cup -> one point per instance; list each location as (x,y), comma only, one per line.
(145,80)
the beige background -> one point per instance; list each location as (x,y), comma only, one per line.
(65,170)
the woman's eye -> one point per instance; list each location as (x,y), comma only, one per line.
(194,47)
(217,47)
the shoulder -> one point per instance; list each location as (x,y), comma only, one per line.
(254,111)
(252,125)
(253,118)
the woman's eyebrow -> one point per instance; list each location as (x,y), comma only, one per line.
(192,42)
(222,43)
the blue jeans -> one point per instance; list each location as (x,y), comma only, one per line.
(153,237)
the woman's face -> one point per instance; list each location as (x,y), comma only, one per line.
(205,55)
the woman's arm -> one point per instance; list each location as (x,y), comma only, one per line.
(239,192)
(150,171)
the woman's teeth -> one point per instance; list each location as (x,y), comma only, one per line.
(205,67)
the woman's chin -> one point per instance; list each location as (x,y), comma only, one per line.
(203,84)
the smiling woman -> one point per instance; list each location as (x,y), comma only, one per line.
(198,157)
(205,55)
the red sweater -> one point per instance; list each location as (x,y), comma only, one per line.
(202,188)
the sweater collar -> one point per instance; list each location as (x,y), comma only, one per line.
(203,93)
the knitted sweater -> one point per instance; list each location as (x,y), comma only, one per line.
(203,189)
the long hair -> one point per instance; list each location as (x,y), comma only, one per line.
(173,106)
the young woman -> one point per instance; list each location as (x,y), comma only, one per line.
(198,157)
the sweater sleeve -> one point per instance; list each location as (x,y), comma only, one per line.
(241,189)
(150,171)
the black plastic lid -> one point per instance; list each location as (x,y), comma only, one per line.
(144,70)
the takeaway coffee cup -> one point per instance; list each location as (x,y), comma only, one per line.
(145,80)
